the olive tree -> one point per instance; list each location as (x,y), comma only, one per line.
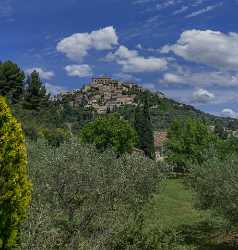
(87,197)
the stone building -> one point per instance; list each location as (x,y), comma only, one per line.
(160,138)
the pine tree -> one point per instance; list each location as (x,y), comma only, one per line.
(11,81)
(144,127)
(15,187)
(35,94)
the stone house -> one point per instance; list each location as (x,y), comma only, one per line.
(160,138)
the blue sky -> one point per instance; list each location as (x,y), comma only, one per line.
(187,49)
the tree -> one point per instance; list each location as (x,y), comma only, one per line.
(15,187)
(35,95)
(188,139)
(83,199)
(108,132)
(11,81)
(220,131)
(144,127)
(215,182)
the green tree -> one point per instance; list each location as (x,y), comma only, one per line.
(57,136)
(35,95)
(143,126)
(15,187)
(215,182)
(83,199)
(11,81)
(220,131)
(188,139)
(110,131)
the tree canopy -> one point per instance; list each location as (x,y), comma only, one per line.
(144,127)
(15,187)
(188,139)
(35,94)
(11,81)
(110,131)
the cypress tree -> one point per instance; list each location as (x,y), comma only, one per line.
(35,95)
(144,127)
(11,81)
(15,187)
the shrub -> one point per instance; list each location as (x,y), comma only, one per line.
(15,187)
(56,136)
(83,199)
(216,182)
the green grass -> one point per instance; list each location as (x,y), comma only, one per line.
(174,206)
(174,209)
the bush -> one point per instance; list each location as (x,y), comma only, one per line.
(15,187)
(216,182)
(83,199)
(57,136)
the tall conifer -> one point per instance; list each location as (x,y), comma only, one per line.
(144,127)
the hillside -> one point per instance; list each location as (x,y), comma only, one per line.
(103,95)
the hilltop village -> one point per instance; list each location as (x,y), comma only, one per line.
(104,94)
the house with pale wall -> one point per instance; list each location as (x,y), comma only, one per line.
(160,138)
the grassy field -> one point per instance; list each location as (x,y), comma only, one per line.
(174,209)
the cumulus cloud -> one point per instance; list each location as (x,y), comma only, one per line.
(203,96)
(212,48)
(132,62)
(83,70)
(227,112)
(44,74)
(203,78)
(76,47)
(126,77)
(54,89)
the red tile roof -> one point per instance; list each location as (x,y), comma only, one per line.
(159,138)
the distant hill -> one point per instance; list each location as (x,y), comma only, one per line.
(104,95)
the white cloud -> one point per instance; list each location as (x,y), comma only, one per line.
(172,78)
(126,77)
(227,112)
(76,47)
(46,75)
(181,10)
(132,62)
(54,89)
(203,78)
(83,70)
(204,10)
(166,4)
(203,96)
(212,48)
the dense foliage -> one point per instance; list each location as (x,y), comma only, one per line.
(215,182)
(188,140)
(11,81)
(15,187)
(110,132)
(83,199)
(144,127)
(35,96)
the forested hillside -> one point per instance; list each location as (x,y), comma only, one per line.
(64,114)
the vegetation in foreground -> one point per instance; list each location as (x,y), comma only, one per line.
(15,187)
(103,196)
